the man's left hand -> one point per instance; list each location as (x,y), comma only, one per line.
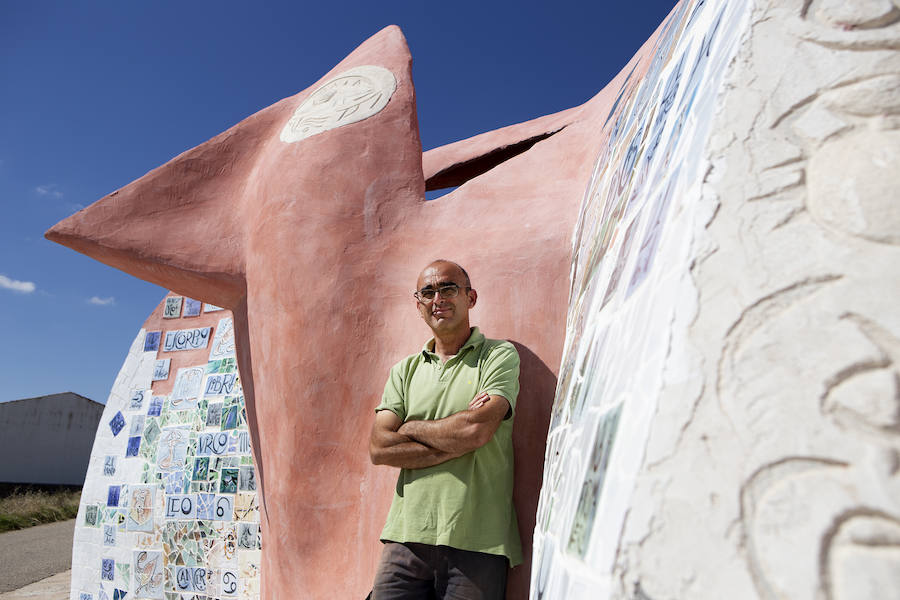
(479,400)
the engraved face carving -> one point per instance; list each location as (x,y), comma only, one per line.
(352,96)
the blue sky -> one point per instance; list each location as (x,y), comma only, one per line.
(95,94)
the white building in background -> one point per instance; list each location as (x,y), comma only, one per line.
(47,439)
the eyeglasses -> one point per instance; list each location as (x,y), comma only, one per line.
(450,290)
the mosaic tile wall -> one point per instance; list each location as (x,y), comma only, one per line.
(630,259)
(169,508)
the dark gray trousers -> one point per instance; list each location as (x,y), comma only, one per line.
(414,571)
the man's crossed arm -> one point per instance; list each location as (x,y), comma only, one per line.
(420,444)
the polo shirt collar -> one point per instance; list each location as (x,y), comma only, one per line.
(476,338)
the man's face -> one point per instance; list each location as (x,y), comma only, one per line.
(445,315)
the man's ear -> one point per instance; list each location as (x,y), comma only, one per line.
(473,297)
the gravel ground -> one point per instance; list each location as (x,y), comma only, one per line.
(28,555)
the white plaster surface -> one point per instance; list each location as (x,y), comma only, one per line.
(789,434)
(758,448)
(352,96)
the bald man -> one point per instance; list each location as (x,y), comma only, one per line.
(446,420)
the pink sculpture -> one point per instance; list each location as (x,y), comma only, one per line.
(308,221)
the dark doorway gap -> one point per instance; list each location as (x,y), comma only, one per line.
(457,174)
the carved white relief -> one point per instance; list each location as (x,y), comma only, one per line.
(796,336)
(849,180)
(863,14)
(871,97)
(352,96)
(858,25)
(863,560)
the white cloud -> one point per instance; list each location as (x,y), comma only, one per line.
(50,190)
(98,301)
(24,287)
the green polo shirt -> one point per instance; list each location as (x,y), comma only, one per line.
(466,502)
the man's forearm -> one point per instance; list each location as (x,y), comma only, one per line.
(462,432)
(398,450)
(455,434)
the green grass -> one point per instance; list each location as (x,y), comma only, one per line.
(25,506)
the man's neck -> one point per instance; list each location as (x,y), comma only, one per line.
(448,344)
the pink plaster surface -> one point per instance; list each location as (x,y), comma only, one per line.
(315,246)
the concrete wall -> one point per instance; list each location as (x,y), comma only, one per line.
(47,439)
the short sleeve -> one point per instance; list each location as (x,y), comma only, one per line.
(393,397)
(500,373)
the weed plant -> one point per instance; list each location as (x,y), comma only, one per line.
(27,506)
